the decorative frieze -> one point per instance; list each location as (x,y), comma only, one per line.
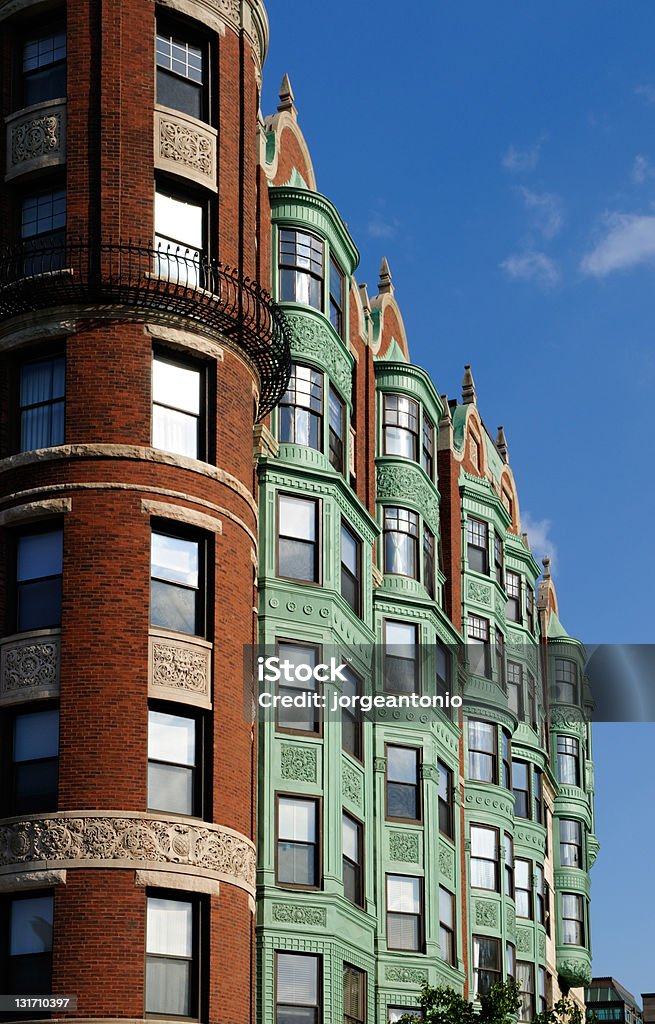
(36,138)
(523,940)
(286,913)
(403,846)
(406,975)
(395,482)
(479,592)
(29,667)
(298,762)
(352,784)
(486,913)
(180,669)
(318,341)
(446,862)
(128,840)
(185,146)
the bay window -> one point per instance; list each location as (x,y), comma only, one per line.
(351,558)
(401,666)
(566,681)
(337,289)
(523,887)
(301,408)
(477,545)
(298,719)
(177,585)
(482,751)
(174,763)
(35,761)
(568,760)
(172,957)
(182,71)
(298,850)
(39,561)
(400,542)
(540,915)
(484,858)
(525,979)
(573,930)
(570,843)
(513,591)
(297,988)
(41,397)
(29,944)
(298,539)
(352,834)
(404,913)
(509,866)
(478,646)
(427,450)
(351,717)
(515,689)
(43,230)
(301,268)
(180,238)
(400,426)
(446,825)
(177,407)
(354,995)
(44,66)
(521,787)
(337,430)
(447,925)
(486,964)
(403,783)
(429,569)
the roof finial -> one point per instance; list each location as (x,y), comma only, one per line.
(384,284)
(286,97)
(501,445)
(366,302)
(446,418)
(468,387)
(545,561)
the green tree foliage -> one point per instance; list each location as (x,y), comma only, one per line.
(442,1005)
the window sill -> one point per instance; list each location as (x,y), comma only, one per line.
(179,668)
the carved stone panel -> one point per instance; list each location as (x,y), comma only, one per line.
(395,482)
(36,138)
(486,913)
(287,913)
(185,146)
(298,762)
(403,846)
(352,784)
(446,861)
(180,669)
(29,667)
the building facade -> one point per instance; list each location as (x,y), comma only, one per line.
(607,999)
(190,467)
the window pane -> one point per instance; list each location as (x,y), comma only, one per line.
(42,213)
(31,926)
(297,979)
(177,386)
(296,863)
(297,560)
(170,788)
(349,550)
(297,819)
(446,909)
(403,931)
(36,736)
(402,764)
(178,220)
(482,736)
(168,986)
(297,518)
(172,607)
(171,738)
(39,555)
(175,559)
(170,927)
(402,801)
(403,894)
(42,381)
(401,637)
(484,842)
(350,839)
(174,432)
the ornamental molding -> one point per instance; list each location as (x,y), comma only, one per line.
(322,484)
(128,840)
(29,667)
(352,784)
(542,946)
(180,670)
(298,762)
(523,940)
(401,482)
(286,913)
(403,846)
(185,146)
(478,592)
(576,972)
(36,138)
(217,14)
(510,918)
(406,975)
(486,913)
(380,764)
(318,342)
(503,805)
(446,861)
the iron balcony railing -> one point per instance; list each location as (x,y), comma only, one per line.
(170,283)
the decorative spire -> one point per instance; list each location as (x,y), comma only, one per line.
(501,445)
(286,97)
(384,284)
(468,387)
(366,302)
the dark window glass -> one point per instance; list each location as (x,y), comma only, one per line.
(401,669)
(42,384)
(568,760)
(39,559)
(354,995)
(351,718)
(525,979)
(427,451)
(400,426)
(302,719)
(478,646)
(477,545)
(43,231)
(513,590)
(444,670)
(570,843)
(173,761)
(541,995)
(500,658)
(172,957)
(498,559)
(181,72)
(301,408)
(35,761)
(540,892)
(350,569)
(538,797)
(337,431)
(297,842)
(400,542)
(566,681)
(429,570)
(404,913)
(523,887)
(29,963)
(177,392)
(336,296)
(403,784)
(176,586)
(509,866)
(44,66)
(521,787)
(353,860)
(483,752)
(510,960)
(298,554)
(301,268)
(486,964)
(529,602)
(507,759)
(515,689)
(484,858)
(297,989)
(446,925)
(446,824)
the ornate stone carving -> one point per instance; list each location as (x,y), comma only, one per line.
(398,482)
(311,338)
(542,947)
(352,784)
(446,862)
(523,940)
(576,972)
(298,762)
(36,139)
(128,841)
(180,670)
(404,846)
(286,914)
(478,592)
(406,975)
(380,764)
(29,669)
(511,922)
(486,913)
(185,146)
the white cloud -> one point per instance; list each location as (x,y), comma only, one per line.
(628,240)
(641,170)
(540,538)
(647,91)
(532,266)
(381,227)
(518,160)
(545,209)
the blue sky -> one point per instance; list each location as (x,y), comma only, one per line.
(502,156)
